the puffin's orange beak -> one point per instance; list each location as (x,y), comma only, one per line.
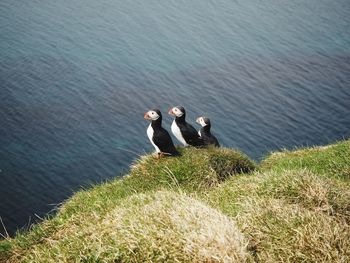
(146,116)
(171,112)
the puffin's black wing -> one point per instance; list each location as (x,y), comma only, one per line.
(190,135)
(212,141)
(208,138)
(162,139)
(215,141)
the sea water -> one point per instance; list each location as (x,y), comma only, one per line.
(77,76)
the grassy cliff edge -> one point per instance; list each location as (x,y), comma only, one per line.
(209,205)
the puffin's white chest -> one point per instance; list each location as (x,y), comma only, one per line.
(150,133)
(176,131)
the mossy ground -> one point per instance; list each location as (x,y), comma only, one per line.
(294,207)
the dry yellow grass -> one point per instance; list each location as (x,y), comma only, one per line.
(160,227)
(282,232)
(312,191)
(289,216)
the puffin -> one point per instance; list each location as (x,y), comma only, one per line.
(204,132)
(158,136)
(183,131)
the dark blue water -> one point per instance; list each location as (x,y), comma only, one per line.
(77,76)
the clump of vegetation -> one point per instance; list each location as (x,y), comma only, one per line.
(314,192)
(226,163)
(169,226)
(292,215)
(294,208)
(196,169)
(330,160)
(159,227)
(282,232)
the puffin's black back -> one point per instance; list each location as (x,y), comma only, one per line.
(207,136)
(189,133)
(162,138)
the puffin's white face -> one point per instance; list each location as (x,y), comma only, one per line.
(151,115)
(176,112)
(201,121)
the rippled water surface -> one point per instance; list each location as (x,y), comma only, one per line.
(77,76)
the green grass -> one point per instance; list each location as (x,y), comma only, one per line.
(209,205)
(331,160)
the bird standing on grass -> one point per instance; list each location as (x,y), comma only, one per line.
(183,131)
(205,133)
(158,136)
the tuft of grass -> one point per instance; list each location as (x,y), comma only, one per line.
(331,160)
(5,248)
(309,190)
(157,227)
(195,170)
(283,232)
(289,216)
(226,162)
